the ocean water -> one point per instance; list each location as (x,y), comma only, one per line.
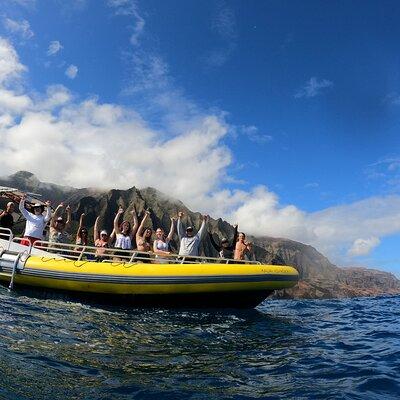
(326,349)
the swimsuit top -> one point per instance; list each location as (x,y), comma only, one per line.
(123,242)
(145,246)
(161,245)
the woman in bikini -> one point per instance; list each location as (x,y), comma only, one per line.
(161,244)
(59,226)
(124,232)
(143,238)
(82,236)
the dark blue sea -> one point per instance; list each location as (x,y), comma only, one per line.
(325,349)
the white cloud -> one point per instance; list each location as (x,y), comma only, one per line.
(54,47)
(224,23)
(362,247)
(254,135)
(129,8)
(333,230)
(385,172)
(89,143)
(21,28)
(71,71)
(10,67)
(313,87)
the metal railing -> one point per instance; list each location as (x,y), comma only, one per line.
(7,236)
(108,254)
(105,254)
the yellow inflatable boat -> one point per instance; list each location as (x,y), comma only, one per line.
(133,276)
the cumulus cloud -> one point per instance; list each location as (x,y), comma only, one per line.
(90,143)
(10,67)
(54,47)
(313,87)
(333,231)
(362,247)
(21,28)
(71,71)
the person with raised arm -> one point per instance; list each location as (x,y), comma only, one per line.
(124,232)
(82,234)
(58,226)
(101,240)
(35,221)
(189,242)
(225,248)
(161,244)
(143,237)
(243,248)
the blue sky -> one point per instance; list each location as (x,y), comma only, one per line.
(284,114)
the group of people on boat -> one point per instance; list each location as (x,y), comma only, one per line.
(128,234)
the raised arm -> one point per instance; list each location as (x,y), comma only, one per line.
(141,227)
(202,229)
(95,228)
(81,221)
(68,221)
(179,226)
(55,215)
(214,244)
(111,237)
(116,220)
(135,222)
(235,235)
(23,210)
(171,231)
(47,217)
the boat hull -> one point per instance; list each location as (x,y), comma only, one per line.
(191,285)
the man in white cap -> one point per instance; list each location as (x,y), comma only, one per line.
(189,242)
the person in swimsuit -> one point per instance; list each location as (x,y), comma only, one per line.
(242,249)
(124,232)
(161,244)
(58,226)
(101,240)
(143,238)
(82,235)
(35,221)
(225,248)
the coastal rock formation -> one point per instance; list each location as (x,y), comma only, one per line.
(319,278)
